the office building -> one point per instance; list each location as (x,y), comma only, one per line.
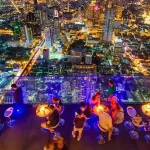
(46,54)
(27,36)
(93,14)
(108,24)
(88,58)
(76,56)
(49,37)
(16,31)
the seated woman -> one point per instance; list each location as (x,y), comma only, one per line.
(86,109)
(57,104)
(50,145)
(96,99)
(137,120)
(60,143)
(52,120)
(112,100)
(117,113)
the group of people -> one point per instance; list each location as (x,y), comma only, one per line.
(109,116)
(110,113)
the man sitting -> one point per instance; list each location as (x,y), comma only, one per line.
(105,123)
(52,120)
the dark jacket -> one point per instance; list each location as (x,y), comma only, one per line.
(18,95)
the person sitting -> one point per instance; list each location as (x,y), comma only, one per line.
(117,113)
(18,96)
(52,120)
(96,99)
(112,100)
(86,109)
(57,104)
(50,145)
(137,120)
(60,143)
(105,123)
(79,122)
(111,89)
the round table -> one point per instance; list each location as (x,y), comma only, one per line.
(97,108)
(43,110)
(146,109)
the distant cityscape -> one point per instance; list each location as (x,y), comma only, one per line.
(71,48)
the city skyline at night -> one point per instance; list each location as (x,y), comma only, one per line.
(46,38)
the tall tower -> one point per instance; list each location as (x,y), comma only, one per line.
(56,24)
(44,17)
(108,27)
(28,36)
(93,14)
(49,37)
(16,31)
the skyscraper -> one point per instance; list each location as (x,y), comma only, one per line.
(49,37)
(42,15)
(56,24)
(88,58)
(108,27)
(76,56)
(28,36)
(93,14)
(16,31)
(46,54)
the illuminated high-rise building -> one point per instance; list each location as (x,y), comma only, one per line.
(108,24)
(28,36)
(93,14)
(46,54)
(119,10)
(49,37)
(32,23)
(16,31)
(28,6)
(76,56)
(88,58)
(42,16)
(56,29)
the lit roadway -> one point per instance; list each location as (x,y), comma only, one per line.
(137,64)
(23,72)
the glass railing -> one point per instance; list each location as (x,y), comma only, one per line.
(74,89)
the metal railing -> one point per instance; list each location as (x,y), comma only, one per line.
(74,89)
